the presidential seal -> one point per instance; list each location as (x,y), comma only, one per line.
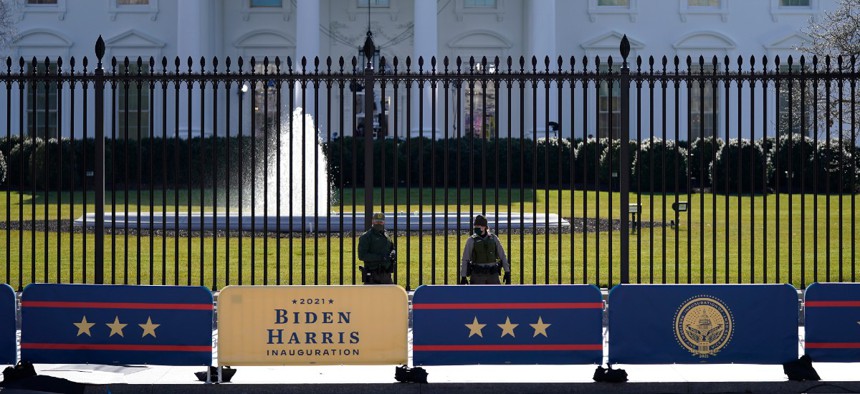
(703,325)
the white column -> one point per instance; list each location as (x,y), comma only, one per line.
(425,43)
(542,43)
(307,45)
(192,41)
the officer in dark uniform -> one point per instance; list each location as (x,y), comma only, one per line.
(483,257)
(376,250)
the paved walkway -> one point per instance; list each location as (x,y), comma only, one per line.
(836,377)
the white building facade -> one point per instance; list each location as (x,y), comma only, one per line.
(427,28)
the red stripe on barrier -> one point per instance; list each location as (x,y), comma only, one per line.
(491,348)
(115,305)
(86,346)
(833,345)
(513,305)
(832,304)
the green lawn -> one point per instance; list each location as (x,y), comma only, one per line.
(789,247)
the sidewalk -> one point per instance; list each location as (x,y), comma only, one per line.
(836,377)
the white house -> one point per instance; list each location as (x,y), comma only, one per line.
(441,28)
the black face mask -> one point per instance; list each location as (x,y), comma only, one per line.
(479,231)
(378,227)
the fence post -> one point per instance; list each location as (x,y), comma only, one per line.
(624,171)
(369,50)
(99,84)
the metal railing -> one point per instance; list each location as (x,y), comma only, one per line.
(184,173)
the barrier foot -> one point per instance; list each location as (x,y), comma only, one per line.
(222,374)
(405,374)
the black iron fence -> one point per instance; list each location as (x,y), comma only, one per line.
(204,172)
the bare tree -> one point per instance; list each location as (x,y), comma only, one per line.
(836,47)
(8,17)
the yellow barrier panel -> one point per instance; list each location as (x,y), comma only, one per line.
(312,325)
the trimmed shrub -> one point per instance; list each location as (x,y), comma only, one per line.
(610,162)
(791,158)
(54,165)
(658,167)
(2,168)
(19,172)
(833,169)
(701,155)
(588,153)
(732,172)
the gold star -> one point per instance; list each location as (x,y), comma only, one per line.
(508,327)
(540,327)
(475,328)
(148,328)
(84,327)
(116,327)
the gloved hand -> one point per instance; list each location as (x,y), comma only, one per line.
(507,278)
(463,280)
(363,276)
(393,255)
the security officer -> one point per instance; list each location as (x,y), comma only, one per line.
(483,257)
(376,249)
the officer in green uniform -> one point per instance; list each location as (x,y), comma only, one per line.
(376,250)
(483,257)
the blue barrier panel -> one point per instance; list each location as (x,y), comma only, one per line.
(832,316)
(553,324)
(113,324)
(8,347)
(691,324)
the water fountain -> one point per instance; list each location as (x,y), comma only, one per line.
(308,212)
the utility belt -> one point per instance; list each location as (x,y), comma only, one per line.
(486,269)
(377,268)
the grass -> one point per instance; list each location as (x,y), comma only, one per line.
(720,240)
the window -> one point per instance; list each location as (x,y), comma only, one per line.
(628,8)
(613,3)
(41,2)
(116,7)
(608,108)
(480,107)
(374,3)
(703,3)
(703,105)
(265,102)
(795,103)
(794,3)
(266,3)
(479,4)
(42,103)
(133,104)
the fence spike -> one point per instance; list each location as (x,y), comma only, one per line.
(71,62)
(625,48)
(100,50)
(85,62)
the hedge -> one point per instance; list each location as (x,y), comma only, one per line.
(422,162)
(702,155)
(660,167)
(740,167)
(2,168)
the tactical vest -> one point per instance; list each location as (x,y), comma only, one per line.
(483,250)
